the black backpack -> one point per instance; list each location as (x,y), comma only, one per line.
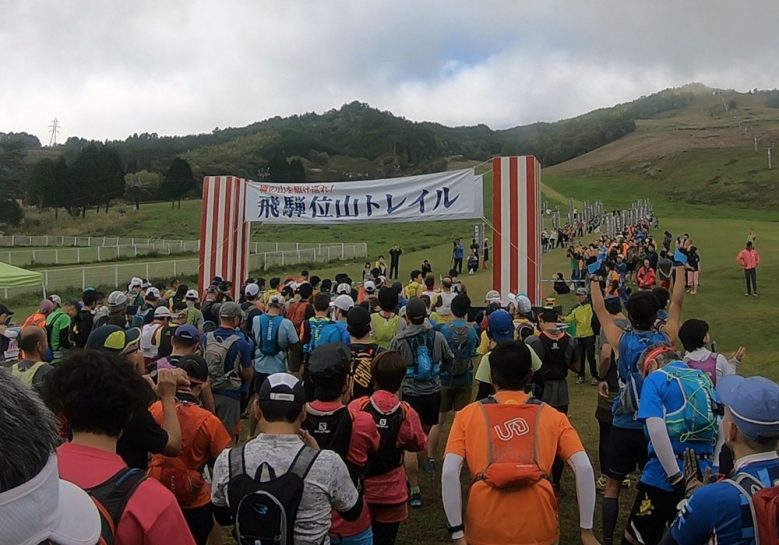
(111,498)
(388,456)
(555,366)
(265,512)
(332,430)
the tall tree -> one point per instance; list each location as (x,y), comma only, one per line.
(41,184)
(111,174)
(85,177)
(178,181)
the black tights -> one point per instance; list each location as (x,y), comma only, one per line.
(559,464)
(603,444)
(200,521)
(385,533)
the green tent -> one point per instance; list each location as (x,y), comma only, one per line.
(14,277)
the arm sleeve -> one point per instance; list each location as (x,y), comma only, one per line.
(725,366)
(343,494)
(221,476)
(452,494)
(661,442)
(585,488)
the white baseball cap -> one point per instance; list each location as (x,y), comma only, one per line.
(135,282)
(251,290)
(343,302)
(48,508)
(56,299)
(153,292)
(492,296)
(370,286)
(161,312)
(191,294)
(343,289)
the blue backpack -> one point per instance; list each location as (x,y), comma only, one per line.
(266,333)
(316,325)
(423,368)
(696,419)
(633,349)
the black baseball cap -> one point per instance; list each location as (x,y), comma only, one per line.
(114,339)
(195,366)
(358,317)
(416,309)
(329,361)
(282,388)
(5,310)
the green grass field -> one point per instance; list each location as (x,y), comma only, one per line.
(719,231)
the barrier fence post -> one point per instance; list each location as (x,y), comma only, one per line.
(46,278)
(33,256)
(98,252)
(147,273)
(83,279)
(174,267)
(78,254)
(343,251)
(116,276)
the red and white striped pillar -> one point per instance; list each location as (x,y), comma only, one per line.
(224,233)
(516,218)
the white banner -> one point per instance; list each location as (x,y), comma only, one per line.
(453,195)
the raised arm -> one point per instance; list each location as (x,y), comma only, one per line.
(675,311)
(612,331)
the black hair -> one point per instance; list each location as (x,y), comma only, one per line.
(358,332)
(304,273)
(510,365)
(415,273)
(388,371)
(89,297)
(280,411)
(330,388)
(388,299)
(327,285)
(274,282)
(314,280)
(321,301)
(375,272)
(429,282)
(642,308)
(692,334)
(305,290)
(97,392)
(662,295)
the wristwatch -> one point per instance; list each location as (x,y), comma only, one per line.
(454,529)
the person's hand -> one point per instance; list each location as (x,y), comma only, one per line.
(182,379)
(309,440)
(693,479)
(167,382)
(459,541)
(603,388)
(588,538)
(739,354)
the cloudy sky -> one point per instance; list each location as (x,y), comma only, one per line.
(107,68)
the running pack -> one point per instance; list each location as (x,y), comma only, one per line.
(422,367)
(111,498)
(389,456)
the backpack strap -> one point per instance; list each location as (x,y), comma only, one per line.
(115,493)
(303,461)
(236,462)
(747,485)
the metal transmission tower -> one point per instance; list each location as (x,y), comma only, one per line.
(54,127)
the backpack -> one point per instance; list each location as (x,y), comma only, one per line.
(316,325)
(388,456)
(463,351)
(265,511)
(512,446)
(111,498)
(332,430)
(362,360)
(266,332)
(554,365)
(422,367)
(696,420)
(27,376)
(384,329)
(763,504)
(708,366)
(525,330)
(445,306)
(38,320)
(297,313)
(633,350)
(185,483)
(215,355)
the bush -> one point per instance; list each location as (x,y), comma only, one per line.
(10,212)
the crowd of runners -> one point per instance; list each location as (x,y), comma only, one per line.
(303,409)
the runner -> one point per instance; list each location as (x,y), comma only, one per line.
(229,357)
(38,318)
(677,407)
(351,434)
(385,323)
(416,286)
(507,505)
(581,315)
(98,394)
(694,336)
(363,350)
(151,334)
(84,321)
(456,382)
(310,489)
(319,329)
(178,317)
(426,353)
(341,306)
(627,444)
(117,311)
(58,327)
(457,256)
(203,438)
(442,303)
(35,505)
(274,336)
(194,315)
(274,290)
(32,369)
(558,352)
(645,276)
(751,430)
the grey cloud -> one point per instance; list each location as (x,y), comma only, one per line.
(109,68)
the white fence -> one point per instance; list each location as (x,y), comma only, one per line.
(118,274)
(49,250)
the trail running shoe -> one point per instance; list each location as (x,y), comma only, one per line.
(580,380)
(601,484)
(594,382)
(626,482)
(415,499)
(428,466)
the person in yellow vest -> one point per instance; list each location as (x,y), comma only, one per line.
(31,369)
(581,315)
(415,287)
